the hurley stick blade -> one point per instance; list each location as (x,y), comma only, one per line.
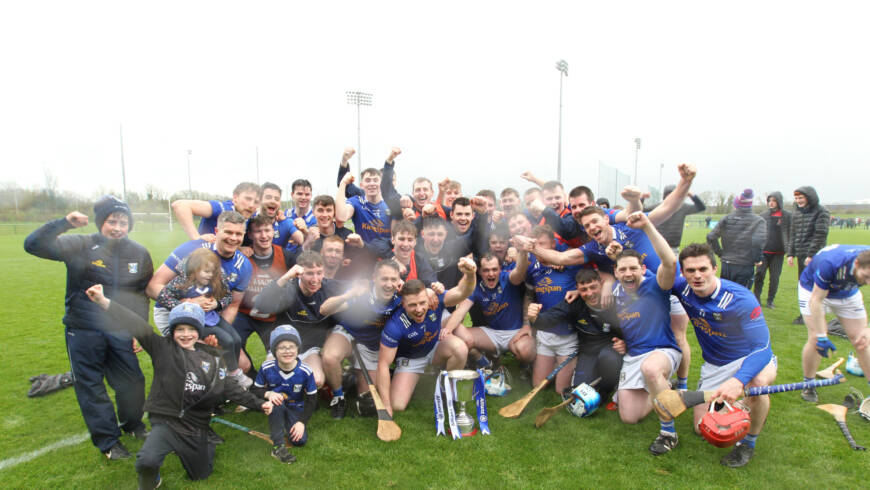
(838,411)
(514,410)
(830,371)
(388,430)
(669,404)
(546,413)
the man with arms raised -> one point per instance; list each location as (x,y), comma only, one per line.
(830,282)
(228,237)
(734,339)
(246,197)
(642,299)
(413,338)
(370,215)
(500,295)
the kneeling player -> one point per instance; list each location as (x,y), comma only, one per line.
(734,339)
(643,305)
(190,380)
(600,339)
(500,295)
(414,339)
(289,384)
(831,281)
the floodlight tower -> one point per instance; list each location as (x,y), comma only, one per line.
(562,66)
(636,150)
(358,99)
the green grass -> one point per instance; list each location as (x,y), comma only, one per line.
(800,446)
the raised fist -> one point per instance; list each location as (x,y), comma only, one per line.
(442,186)
(76,219)
(527,175)
(408,214)
(406,202)
(466,265)
(345,157)
(354,240)
(428,210)
(347,179)
(613,250)
(300,224)
(630,193)
(394,152)
(687,171)
(537,206)
(637,220)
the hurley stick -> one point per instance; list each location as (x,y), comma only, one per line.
(830,371)
(388,430)
(242,428)
(839,413)
(547,412)
(516,408)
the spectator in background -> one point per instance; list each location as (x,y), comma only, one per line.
(603,203)
(809,231)
(742,235)
(778,229)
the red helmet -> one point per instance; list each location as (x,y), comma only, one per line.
(724,427)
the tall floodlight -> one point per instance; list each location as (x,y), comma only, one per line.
(358,99)
(661,170)
(123,171)
(562,66)
(636,150)
(189,186)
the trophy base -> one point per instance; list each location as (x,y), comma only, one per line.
(469,434)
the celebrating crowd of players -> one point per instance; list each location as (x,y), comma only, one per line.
(542,275)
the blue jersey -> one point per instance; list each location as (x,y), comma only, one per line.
(629,238)
(729,325)
(370,221)
(295,384)
(365,317)
(832,269)
(502,305)
(208,225)
(283,231)
(237,269)
(413,340)
(550,286)
(291,215)
(646,318)
(212,317)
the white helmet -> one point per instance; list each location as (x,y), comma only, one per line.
(585,400)
(496,384)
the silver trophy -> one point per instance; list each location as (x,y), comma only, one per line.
(463,381)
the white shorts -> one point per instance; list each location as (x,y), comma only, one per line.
(418,365)
(161,319)
(500,338)
(712,376)
(851,307)
(311,351)
(676,306)
(370,357)
(553,345)
(631,377)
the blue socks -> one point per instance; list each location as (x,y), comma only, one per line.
(338,392)
(668,427)
(749,440)
(682,383)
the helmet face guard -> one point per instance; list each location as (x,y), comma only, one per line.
(726,426)
(585,400)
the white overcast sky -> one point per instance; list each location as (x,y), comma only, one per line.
(768,95)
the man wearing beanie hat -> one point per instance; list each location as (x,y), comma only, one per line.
(742,235)
(108,257)
(289,384)
(190,381)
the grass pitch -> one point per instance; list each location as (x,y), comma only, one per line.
(800,446)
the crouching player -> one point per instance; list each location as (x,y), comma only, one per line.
(734,339)
(831,281)
(413,338)
(288,384)
(190,380)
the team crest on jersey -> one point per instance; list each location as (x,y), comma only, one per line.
(206,366)
(431,317)
(232,277)
(99,263)
(302,313)
(277,234)
(297,388)
(717,316)
(133,267)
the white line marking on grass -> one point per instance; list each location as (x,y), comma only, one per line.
(69,441)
